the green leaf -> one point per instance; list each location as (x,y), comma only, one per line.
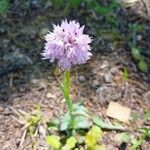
(81,108)
(64,122)
(53,141)
(90,140)
(93,136)
(81,122)
(136,27)
(122,137)
(143,65)
(125,74)
(96,132)
(74,3)
(71,142)
(136,53)
(105,10)
(135,144)
(99,122)
(102,10)
(54,124)
(64,126)
(4,4)
(77,113)
(57,3)
(134,117)
(91,4)
(147,115)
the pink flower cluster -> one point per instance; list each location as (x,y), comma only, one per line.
(67,44)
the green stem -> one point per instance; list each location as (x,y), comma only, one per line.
(66,84)
(66,91)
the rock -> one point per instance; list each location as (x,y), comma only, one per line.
(2,30)
(34,4)
(95,83)
(110,147)
(139,37)
(108,77)
(49,95)
(104,65)
(82,78)
(6,111)
(114,70)
(40,82)
(103,94)
(147,97)
(22,89)
(1,108)
(7,145)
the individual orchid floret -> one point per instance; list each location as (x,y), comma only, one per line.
(67,44)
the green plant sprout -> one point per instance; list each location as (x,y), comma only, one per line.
(136,143)
(4,5)
(89,141)
(92,137)
(125,74)
(30,122)
(135,51)
(54,142)
(103,125)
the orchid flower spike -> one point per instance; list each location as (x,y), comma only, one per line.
(68,45)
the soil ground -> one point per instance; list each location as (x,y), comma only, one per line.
(26,80)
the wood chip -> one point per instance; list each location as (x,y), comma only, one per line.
(118,112)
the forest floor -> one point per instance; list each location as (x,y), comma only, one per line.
(96,83)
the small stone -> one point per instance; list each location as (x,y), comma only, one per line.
(139,37)
(40,82)
(63,100)
(34,81)
(34,4)
(22,89)
(114,70)
(2,30)
(82,78)
(110,147)
(7,145)
(147,98)
(6,111)
(108,77)
(103,94)
(104,65)
(95,83)
(1,108)
(49,95)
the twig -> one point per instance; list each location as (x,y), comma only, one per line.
(11,80)
(20,122)
(44,93)
(23,138)
(125,93)
(17,113)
